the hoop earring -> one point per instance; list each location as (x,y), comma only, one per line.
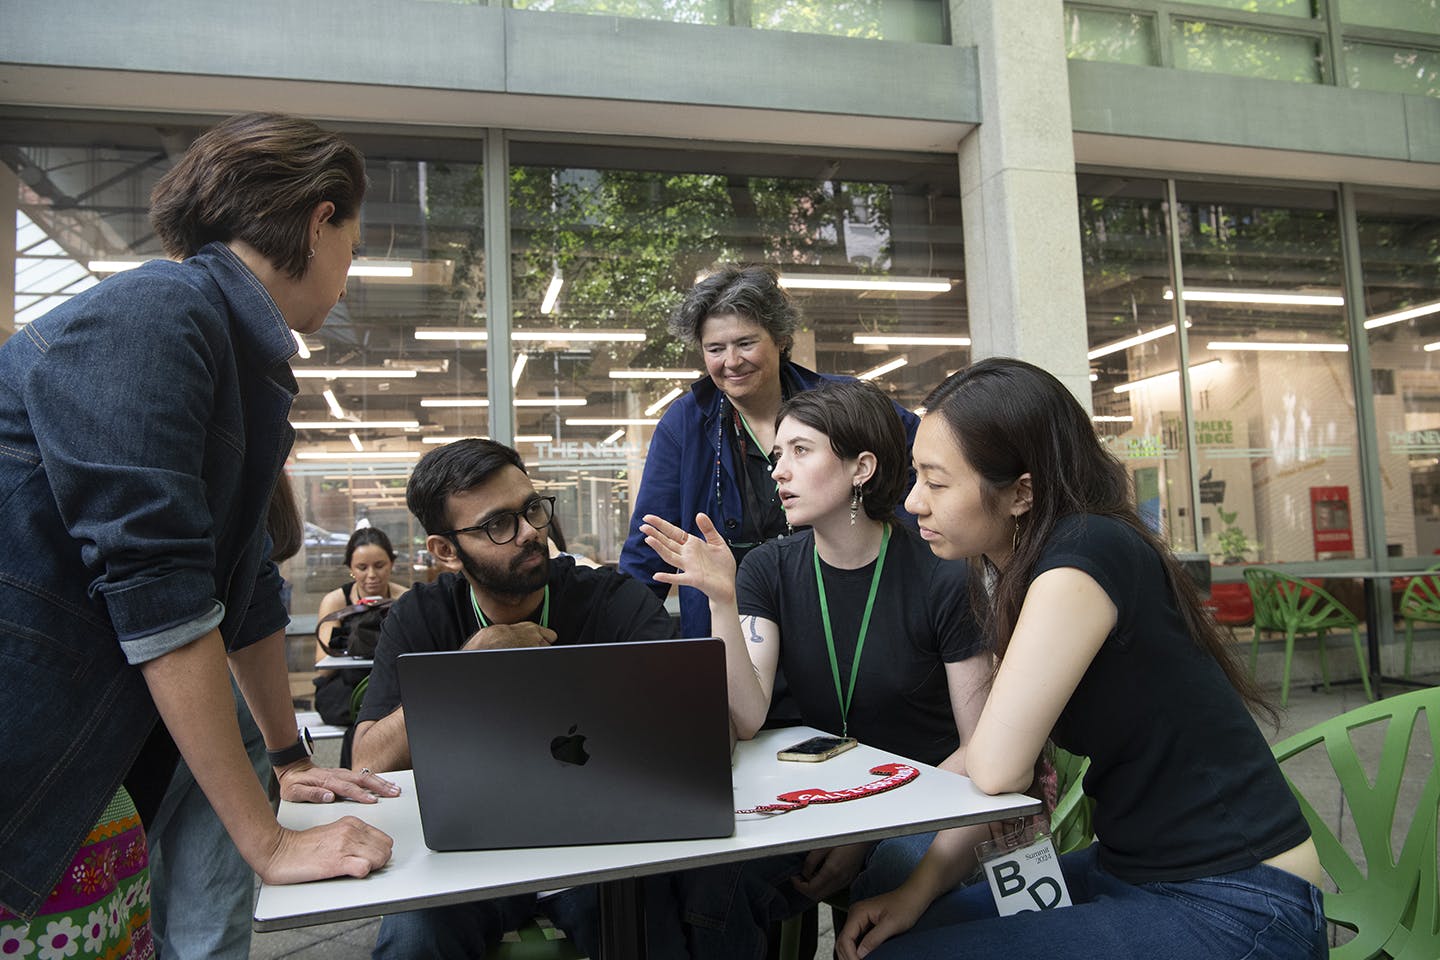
(854,503)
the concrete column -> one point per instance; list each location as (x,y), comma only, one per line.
(9,203)
(1023,277)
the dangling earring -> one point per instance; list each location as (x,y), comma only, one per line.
(854,503)
(1015,537)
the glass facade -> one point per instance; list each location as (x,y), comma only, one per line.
(915,21)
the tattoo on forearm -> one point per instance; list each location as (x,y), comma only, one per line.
(754,633)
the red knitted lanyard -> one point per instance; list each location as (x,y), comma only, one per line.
(892,775)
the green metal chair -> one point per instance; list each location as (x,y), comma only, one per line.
(1421,601)
(1392,902)
(1291,606)
(536,942)
(1072,821)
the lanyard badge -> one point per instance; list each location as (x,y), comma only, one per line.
(1023,871)
(847,695)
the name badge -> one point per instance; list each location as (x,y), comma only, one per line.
(1024,872)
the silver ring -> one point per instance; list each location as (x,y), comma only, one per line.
(364,771)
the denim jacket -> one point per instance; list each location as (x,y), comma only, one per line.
(143,424)
(690,469)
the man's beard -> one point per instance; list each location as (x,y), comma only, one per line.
(509,580)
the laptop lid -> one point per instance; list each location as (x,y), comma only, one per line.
(549,746)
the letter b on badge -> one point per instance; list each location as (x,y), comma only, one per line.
(1023,877)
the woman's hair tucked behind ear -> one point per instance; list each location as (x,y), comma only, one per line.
(257,178)
(855,416)
(1009,418)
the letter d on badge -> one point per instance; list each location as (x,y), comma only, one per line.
(1023,872)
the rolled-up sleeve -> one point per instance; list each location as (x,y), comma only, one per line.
(119,406)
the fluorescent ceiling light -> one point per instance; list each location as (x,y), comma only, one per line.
(1116,346)
(1259,296)
(351,455)
(610,422)
(519,402)
(882,369)
(917,340)
(552,293)
(369,373)
(300,345)
(458,334)
(382,268)
(1432,347)
(1145,381)
(520,360)
(471,334)
(355,441)
(519,438)
(335,409)
(355,424)
(113,266)
(1113,419)
(660,404)
(617,435)
(1094,377)
(811,281)
(1277,346)
(1409,313)
(654,374)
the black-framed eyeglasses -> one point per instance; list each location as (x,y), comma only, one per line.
(505,526)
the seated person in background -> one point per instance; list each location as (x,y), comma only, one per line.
(371,561)
(871,628)
(483,518)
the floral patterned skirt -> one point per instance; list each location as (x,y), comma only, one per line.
(101,906)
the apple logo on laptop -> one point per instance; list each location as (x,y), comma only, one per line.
(570,748)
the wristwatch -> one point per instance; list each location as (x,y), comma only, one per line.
(302,749)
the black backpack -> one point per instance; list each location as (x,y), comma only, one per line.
(357,629)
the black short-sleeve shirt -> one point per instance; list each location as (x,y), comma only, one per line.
(1184,783)
(587,605)
(920,623)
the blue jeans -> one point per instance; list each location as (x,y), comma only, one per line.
(1259,913)
(201,889)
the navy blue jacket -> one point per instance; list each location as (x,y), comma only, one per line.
(143,424)
(690,469)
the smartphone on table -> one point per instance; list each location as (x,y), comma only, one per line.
(816,749)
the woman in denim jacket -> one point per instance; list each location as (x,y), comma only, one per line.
(143,425)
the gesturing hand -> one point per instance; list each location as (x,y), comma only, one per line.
(703,562)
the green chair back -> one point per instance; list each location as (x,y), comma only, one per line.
(1420,602)
(357,697)
(1294,606)
(1392,901)
(1072,821)
(535,942)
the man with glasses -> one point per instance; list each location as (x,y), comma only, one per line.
(485,522)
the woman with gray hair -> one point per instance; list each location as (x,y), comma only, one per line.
(711,452)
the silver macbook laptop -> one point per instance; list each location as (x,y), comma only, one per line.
(548,746)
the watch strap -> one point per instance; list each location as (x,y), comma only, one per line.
(302,749)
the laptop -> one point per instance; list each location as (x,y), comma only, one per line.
(552,746)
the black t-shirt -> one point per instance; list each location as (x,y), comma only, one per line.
(1184,783)
(920,623)
(587,605)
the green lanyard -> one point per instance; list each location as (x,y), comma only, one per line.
(746,424)
(848,695)
(544,610)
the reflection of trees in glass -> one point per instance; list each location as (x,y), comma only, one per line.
(1220,48)
(1111,37)
(1122,244)
(1284,8)
(839,18)
(675,11)
(1373,66)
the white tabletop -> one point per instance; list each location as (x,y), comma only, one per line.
(419,877)
(332,662)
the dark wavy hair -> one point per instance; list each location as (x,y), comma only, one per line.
(1008,418)
(752,292)
(257,177)
(453,468)
(365,537)
(856,416)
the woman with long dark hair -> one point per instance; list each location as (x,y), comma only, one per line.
(1103,646)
